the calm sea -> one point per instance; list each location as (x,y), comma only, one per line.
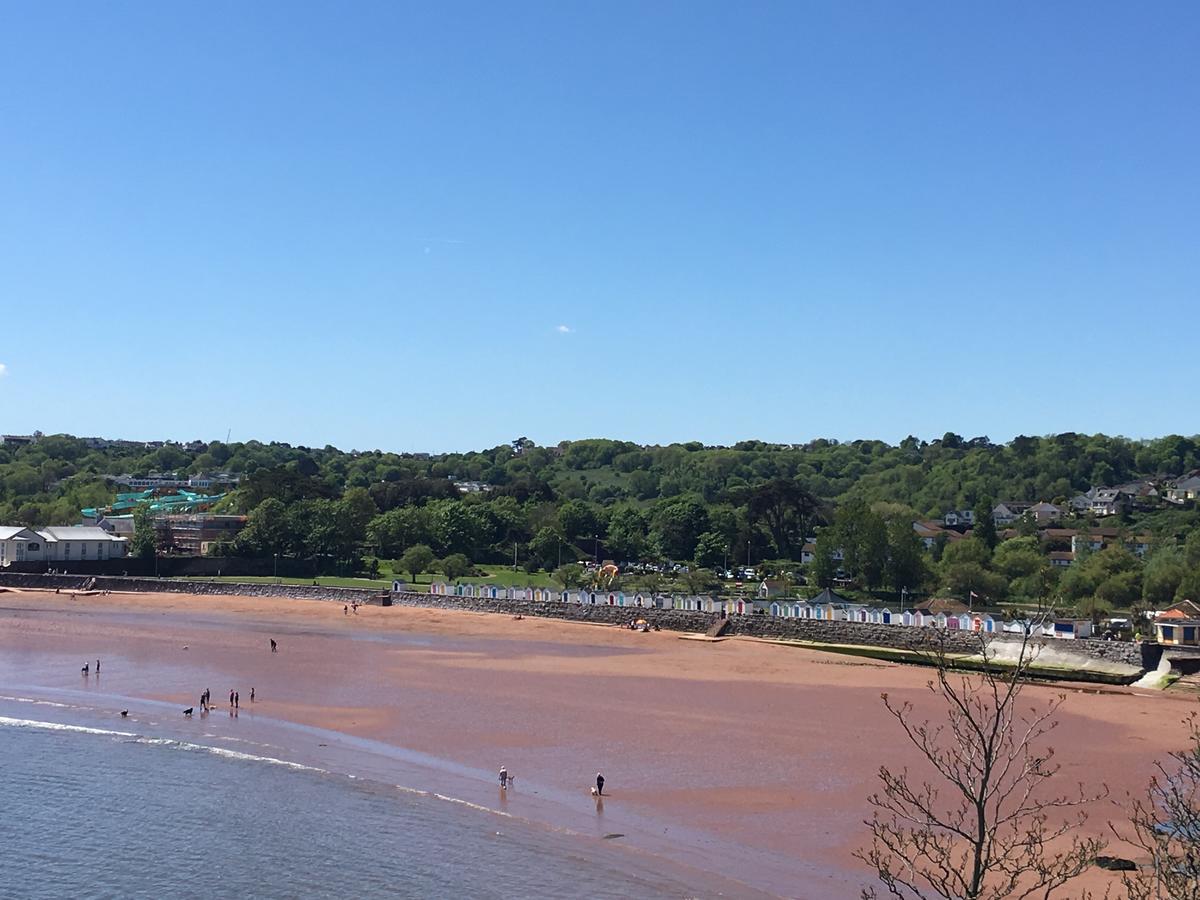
(98,812)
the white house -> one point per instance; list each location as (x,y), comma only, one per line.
(18,544)
(71,543)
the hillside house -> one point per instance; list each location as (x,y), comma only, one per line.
(1185,489)
(1108,502)
(959,518)
(1008,511)
(1044,513)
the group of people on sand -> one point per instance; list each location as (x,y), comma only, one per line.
(87,668)
(353,607)
(507,779)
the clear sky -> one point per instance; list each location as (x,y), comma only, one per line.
(437,226)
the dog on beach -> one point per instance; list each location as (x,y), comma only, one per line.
(595,793)
(188,711)
(124,713)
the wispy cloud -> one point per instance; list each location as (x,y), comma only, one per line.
(564,329)
(3,370)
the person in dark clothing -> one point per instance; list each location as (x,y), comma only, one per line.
(599,785)
(231,698)
(237,700)
(274,647)
(251,695)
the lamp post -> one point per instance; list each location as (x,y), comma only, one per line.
(276,567)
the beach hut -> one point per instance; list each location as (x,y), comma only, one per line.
(952,623)
(1070,629)
(803,610)
(886,617)
(437,587)
(965,621)
(907,618)
(861,614)
(939,620)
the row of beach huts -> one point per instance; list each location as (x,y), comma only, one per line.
(826,606)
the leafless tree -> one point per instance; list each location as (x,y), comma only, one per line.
(1166,825)
(984,828)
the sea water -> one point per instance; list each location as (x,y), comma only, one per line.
(109,812)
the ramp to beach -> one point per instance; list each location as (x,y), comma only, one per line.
(718,628)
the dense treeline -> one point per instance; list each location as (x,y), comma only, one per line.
(712,506)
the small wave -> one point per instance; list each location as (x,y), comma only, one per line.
(58,726)
(37,702)
(470,805)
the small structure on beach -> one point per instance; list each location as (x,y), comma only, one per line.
(1179,626)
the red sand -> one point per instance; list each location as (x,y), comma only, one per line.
(760,745)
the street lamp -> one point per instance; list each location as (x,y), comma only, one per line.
(277,567)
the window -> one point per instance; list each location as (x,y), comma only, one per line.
(1168,632)
(1189,633)
(66,551)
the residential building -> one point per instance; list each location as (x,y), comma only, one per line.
(1044,513)
(21,440)
(1008,511)
(1185,489)
(958,518)
(929,532)
(1061,558)
(1108,502)
(19,544)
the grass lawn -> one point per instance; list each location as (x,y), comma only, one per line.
(323,581)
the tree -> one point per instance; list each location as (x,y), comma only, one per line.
(985,525)
(626,536)
(824,566)
(454,566)
(1166,825)
(543,549)
(1161,577)
(712,550)
(983,829)
(572,575)
(416,559)
(145,540)
(678,525)
(699,581)
(786,509)
(906,569)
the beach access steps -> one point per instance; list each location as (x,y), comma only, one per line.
(718,628)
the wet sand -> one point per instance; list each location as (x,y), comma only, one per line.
(751,759)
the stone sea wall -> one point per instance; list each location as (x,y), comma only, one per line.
(1137,655)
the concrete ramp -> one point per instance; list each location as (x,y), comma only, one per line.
(718,628)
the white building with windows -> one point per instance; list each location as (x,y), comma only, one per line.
(70,543)
(18,544)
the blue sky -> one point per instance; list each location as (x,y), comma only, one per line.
(441,226)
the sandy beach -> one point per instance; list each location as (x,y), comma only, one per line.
(748,759)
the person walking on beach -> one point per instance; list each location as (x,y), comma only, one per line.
(251,695)
(237,700)
(503,778)
(345,610)
(599,785)
(231,698)
(274,646)
(97,667)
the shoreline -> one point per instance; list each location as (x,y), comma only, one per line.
(726,746)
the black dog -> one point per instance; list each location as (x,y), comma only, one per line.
(188,711)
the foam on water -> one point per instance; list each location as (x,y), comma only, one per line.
(93,811)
